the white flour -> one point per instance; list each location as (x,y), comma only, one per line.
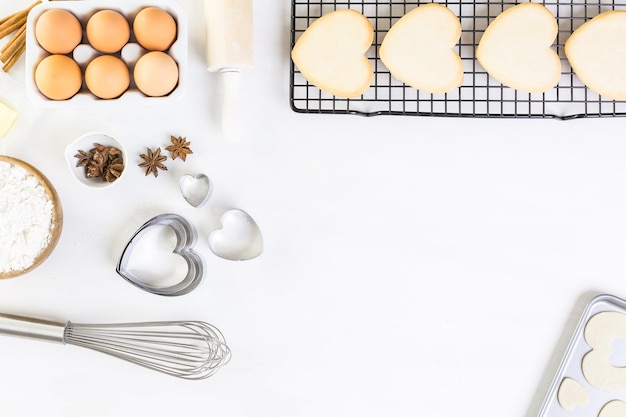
(25,218)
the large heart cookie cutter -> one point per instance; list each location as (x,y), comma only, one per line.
(185,239)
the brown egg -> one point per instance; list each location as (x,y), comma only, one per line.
(107,77)
(156,74)
(58,77)
(155,29)
(58,31)
(108,31)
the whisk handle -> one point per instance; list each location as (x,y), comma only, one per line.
(32,328)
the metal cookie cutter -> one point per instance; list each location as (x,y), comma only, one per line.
(238,239)
(196,190)
(185,239)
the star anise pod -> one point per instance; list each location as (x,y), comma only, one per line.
(101,161)
(114,170)
(113,152)
(153,161)
(99,147)
(100,153)
(83,158)
(179,147)
(93,169)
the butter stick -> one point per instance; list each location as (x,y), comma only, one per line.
(7,118)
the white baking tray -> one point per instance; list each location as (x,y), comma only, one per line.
(570,366)
(85,9)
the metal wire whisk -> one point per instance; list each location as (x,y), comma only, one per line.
(186,349)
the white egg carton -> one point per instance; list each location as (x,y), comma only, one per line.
(83,53)
(571,368)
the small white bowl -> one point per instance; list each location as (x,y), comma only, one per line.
(85,143)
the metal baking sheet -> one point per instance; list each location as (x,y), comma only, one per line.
(571,366)
(479,95)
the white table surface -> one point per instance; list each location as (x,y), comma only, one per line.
(412,265)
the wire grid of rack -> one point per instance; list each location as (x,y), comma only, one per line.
(479,95)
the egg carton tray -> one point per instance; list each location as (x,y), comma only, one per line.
(83,53)
(479,95)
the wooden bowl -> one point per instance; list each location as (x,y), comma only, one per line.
(57,216)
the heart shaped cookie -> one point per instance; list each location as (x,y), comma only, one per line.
(196,190)
(418,49)
(572,394)
(238,239)
(331,53)
(516,48)
(600,332)
(615,408)
(185,236)
(597,53)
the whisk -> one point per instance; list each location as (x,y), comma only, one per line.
(186,349)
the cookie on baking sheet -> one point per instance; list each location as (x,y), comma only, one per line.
(516,48)
(597,53)
(419,49)
(331,53)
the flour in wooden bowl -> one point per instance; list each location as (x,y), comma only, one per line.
(30,217)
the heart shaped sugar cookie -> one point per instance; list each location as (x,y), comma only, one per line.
(615,408)
(331,53)
(516,48)
(600,332)
(597,53)
(572,394)
(418,49)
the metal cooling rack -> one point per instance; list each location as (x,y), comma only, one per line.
(479,95)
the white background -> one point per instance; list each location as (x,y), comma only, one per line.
(412,265)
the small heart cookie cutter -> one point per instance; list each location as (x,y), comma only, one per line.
(196,190)
(185,239)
